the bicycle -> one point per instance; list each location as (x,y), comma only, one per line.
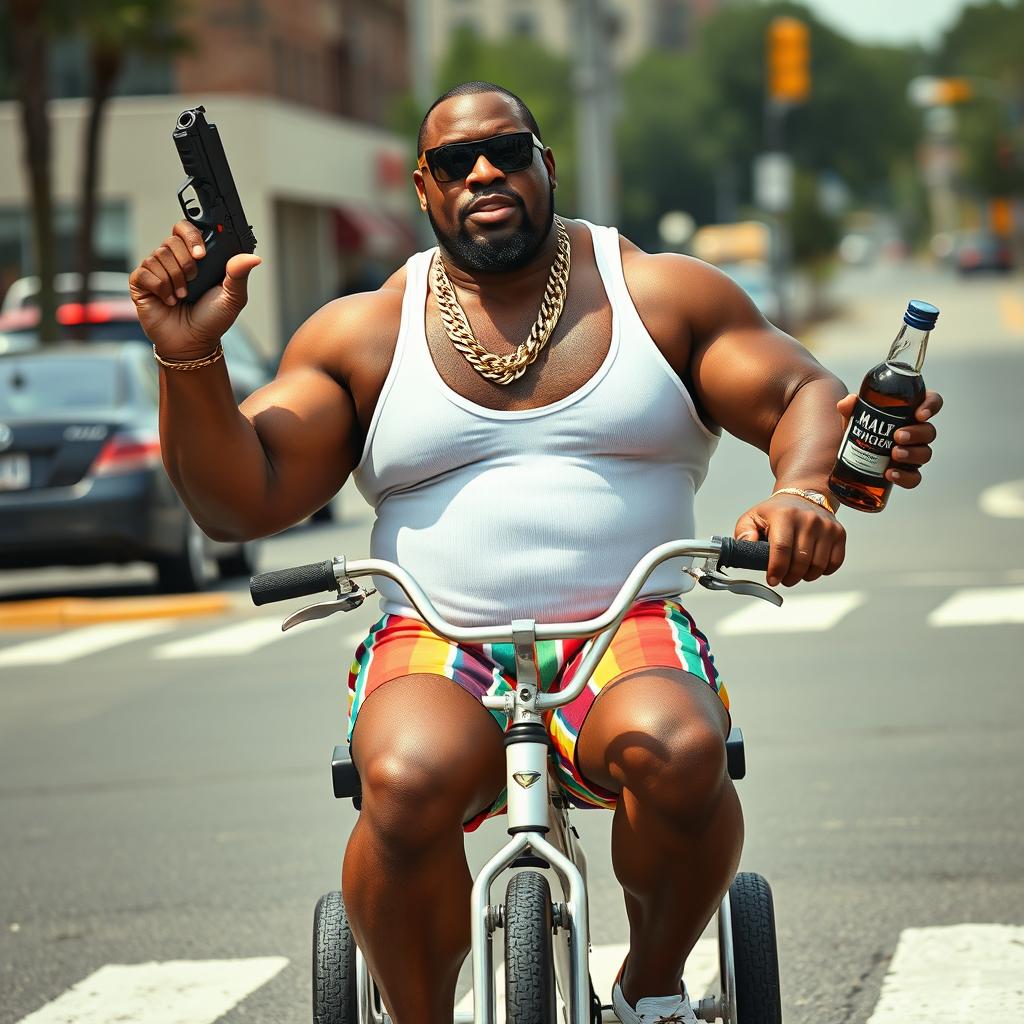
(536,965)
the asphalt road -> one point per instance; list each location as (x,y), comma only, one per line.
(159,803)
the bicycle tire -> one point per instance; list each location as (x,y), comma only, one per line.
(755,950)
(334,963)
(529,958)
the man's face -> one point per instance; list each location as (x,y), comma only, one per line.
(492,220)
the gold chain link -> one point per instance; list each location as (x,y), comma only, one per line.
(505,369)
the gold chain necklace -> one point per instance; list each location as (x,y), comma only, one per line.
(505,369)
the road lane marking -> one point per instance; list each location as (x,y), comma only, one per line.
(77,643)
(239,639)
(605,961)
(980,606)
(173,992)
(1004,501)
(801,613)
(1012,310)
(960,972)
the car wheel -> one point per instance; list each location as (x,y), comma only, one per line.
(185,572)
(243,562)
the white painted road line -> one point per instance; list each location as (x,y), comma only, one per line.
(605,961)
(965,972)
(243,638)
(1004,501)
(76,643)
(980,606)
(799,614)
(175,992)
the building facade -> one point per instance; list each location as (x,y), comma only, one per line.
(636,26)
(301,93)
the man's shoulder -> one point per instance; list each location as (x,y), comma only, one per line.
(684,287)
(351,328)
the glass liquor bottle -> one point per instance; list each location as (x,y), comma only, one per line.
(889,396)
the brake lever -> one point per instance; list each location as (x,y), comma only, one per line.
(347,602)
(712,578)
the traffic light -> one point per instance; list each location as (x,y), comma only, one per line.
(789,59)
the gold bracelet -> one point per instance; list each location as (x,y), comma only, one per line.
(815,497)
(190,364)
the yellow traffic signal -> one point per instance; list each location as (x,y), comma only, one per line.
(952,90)
(789,58)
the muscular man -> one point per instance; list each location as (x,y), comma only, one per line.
(523,486)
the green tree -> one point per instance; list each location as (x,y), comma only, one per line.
(692,119)
(986,43)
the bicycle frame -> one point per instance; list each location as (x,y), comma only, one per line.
(537,816)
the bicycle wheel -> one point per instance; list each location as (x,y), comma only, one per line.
(334,963)
(755,951)
(529,960)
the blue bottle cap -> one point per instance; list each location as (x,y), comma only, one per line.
(921,315)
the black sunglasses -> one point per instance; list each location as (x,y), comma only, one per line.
(510,152)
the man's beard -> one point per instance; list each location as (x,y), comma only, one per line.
(502,255)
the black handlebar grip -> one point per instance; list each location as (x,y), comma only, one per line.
(298,581)
(744,554)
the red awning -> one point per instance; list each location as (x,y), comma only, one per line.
(372,232)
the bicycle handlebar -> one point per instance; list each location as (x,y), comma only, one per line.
(322,577)
(296,581)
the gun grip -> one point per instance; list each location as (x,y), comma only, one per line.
(220,247)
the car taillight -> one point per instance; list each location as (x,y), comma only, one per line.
(126,453)
(73,313)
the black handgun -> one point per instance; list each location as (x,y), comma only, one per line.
(209,199)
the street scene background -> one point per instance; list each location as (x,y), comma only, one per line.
(166,815)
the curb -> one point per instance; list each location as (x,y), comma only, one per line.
(82,611)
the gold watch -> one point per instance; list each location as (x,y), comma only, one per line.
(816,496)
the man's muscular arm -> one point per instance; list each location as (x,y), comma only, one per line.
(762,386)
(254,470)
(251,471)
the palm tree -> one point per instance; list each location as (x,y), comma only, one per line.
(113,30)
(31,26)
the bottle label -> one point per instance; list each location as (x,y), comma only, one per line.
(868,441)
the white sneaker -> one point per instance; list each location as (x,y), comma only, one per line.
(654,1009)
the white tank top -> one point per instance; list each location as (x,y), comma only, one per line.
(539,513)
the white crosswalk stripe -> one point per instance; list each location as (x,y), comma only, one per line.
(964,971)
(967,972)
(174,992)
(980,606)
(76,643)
(801,613)
(238,638)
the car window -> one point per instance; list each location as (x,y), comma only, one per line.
(239,349)
(30,386)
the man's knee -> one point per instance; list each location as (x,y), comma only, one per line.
(664,741)
(425,767)
(680,772)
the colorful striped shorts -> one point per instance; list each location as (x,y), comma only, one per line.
(655,633)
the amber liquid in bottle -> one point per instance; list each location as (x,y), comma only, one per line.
(889,396)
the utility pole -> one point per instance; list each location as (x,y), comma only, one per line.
(593,82)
